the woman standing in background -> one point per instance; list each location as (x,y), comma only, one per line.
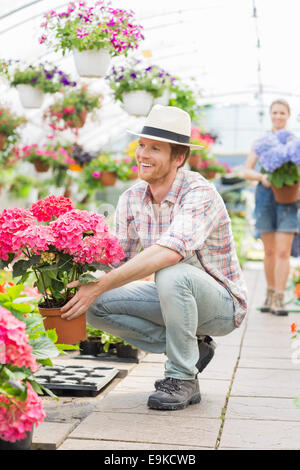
(276,223)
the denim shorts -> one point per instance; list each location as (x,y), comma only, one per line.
(271,216)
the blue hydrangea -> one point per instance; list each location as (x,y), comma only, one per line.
(275,149)
(283,136)
(293,151)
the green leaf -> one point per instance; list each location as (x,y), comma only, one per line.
(86,278)
(43,348)
(14,291)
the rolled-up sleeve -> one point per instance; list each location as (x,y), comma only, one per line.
(193,221)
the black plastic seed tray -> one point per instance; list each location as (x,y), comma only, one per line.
(75,380)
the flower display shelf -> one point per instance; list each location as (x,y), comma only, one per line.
(75,380)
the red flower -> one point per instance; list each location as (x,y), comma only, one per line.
(294,327)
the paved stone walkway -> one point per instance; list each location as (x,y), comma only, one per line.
(247,396)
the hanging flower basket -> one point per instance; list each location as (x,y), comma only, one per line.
(108,178)
(68,331)
(30,97)
(286,194)
(92,63)
(2,141)
(40,166)
(137,103)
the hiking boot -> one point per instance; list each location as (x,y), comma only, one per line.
(207,348)
(268,301)
(175,394)
(278,307)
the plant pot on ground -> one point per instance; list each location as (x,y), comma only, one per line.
(126,350)
(19,444)
(92,346)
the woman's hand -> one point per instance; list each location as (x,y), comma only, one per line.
(264,180)
(82,300)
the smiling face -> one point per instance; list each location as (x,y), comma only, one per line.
(279,116)
(154,161)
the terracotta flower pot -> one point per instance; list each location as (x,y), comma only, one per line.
(3,138)
(286,194)
(108,178)
(208,174)
(194,160)
(134,175)
(68,331)
(40,166)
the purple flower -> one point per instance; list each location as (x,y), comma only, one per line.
(293,150)
(133,75)
(149,68)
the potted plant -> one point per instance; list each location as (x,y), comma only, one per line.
(93,32)
(9,124)
(123,349)
(100,172)
(47,155)
(33,81)
(67,245)
(127,168)
(70,111)
(136,86)
(210,167)
(185,96)
(20,406)
(93,344)
(279,156)
(202,154)
(24,345)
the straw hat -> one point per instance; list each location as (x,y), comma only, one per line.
(168,124)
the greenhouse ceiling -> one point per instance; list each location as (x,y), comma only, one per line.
(234,50)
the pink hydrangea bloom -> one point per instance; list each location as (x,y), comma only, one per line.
(52,206)
(38,238)
(70,227)
(15,349)
(11,221)
(18,417)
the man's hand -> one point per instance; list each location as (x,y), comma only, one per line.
(82,300)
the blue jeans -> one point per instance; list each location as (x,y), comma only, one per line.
(166,316)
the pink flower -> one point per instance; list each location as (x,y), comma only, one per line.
(96,174)
(37,238)
(128,159)
(134,168)
(52,206)
(16,351)
(11,221)
(81,32)
(17,417)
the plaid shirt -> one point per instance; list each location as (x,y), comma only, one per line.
(192,219)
